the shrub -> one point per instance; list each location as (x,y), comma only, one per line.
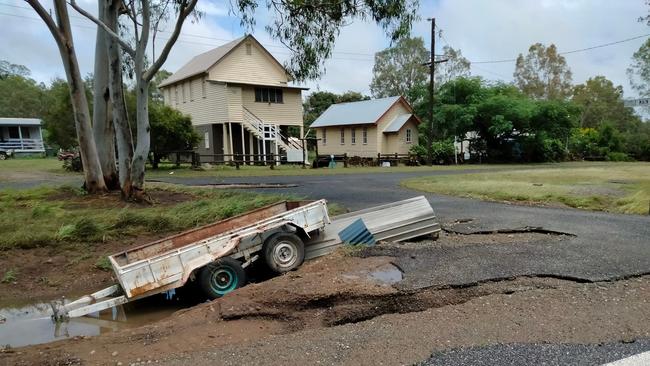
(442,151)
(617,156)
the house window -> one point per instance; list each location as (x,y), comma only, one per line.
(203,88)
(409,138)
(268,95)
(342,136)
(353,136)
(206,139)
(25,132)
(191,91)
(324,136)
(364,135)
(183,91)
(249,49)
(13,132)
(176,94)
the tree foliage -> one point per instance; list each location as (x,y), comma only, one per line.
(543,73)
(58,117)
(639,70)
(455,66)
(400,68)
(21,97)
(601,102)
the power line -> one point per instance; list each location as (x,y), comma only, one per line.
(189,34)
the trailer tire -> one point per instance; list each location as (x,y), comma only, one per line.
(221,277)
(284,252)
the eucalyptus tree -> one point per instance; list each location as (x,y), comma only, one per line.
(543,73)
(59,26)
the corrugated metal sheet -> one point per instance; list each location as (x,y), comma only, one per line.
(396,221)
(397,123)
(357,233)
(354,113)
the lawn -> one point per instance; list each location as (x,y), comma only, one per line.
(43,169)
(612,187)
(49,217)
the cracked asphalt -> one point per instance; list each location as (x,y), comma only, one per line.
(601,247)
(605,246)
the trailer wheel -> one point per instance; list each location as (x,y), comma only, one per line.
(284,252)
(221,277)
(3,155)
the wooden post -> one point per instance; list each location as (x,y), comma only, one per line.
(345,160)
(316,165)
(243,143)
(20,136)
(378,159)
(251,150)
(232,147)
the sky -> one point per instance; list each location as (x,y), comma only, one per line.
(483,30)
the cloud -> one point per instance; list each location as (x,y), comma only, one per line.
(483,30)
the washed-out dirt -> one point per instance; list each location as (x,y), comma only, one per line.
(346,297)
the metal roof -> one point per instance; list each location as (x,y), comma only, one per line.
(201,63)
(354,113)
(397,123)
(20,121)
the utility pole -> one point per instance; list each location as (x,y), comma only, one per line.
(432,66)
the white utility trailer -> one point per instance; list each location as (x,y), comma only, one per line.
(215,255)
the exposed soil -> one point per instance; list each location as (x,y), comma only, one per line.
(46,273)
(308,306)
(112,199)
(335,310)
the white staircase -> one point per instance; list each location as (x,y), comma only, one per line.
(266,131)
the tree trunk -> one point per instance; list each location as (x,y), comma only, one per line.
(143,138)
(120,117)
(103,131)
(94,180)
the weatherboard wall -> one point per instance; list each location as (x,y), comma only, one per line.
(249,63)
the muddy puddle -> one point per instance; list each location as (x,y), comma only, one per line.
(31,324)
(387,274)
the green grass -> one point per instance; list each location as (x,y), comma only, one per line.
(103,264)
(10,276)
(221,171)
(613,187)
(44,216)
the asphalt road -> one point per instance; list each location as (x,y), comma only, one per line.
(539,354)
(603,246)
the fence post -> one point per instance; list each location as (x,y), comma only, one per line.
(178,159)
(378,159)
(345,160)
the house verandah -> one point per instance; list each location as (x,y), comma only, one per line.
(250,141)
(22,135)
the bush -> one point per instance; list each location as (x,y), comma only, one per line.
(442,151)
(617,156)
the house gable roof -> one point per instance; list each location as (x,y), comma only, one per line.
(358,113)
(202,63)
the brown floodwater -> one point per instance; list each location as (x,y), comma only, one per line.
(31,324)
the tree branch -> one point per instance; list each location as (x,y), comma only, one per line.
(101,24)
(185,11)
(49,22)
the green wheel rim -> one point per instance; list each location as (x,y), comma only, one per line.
(223,280)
